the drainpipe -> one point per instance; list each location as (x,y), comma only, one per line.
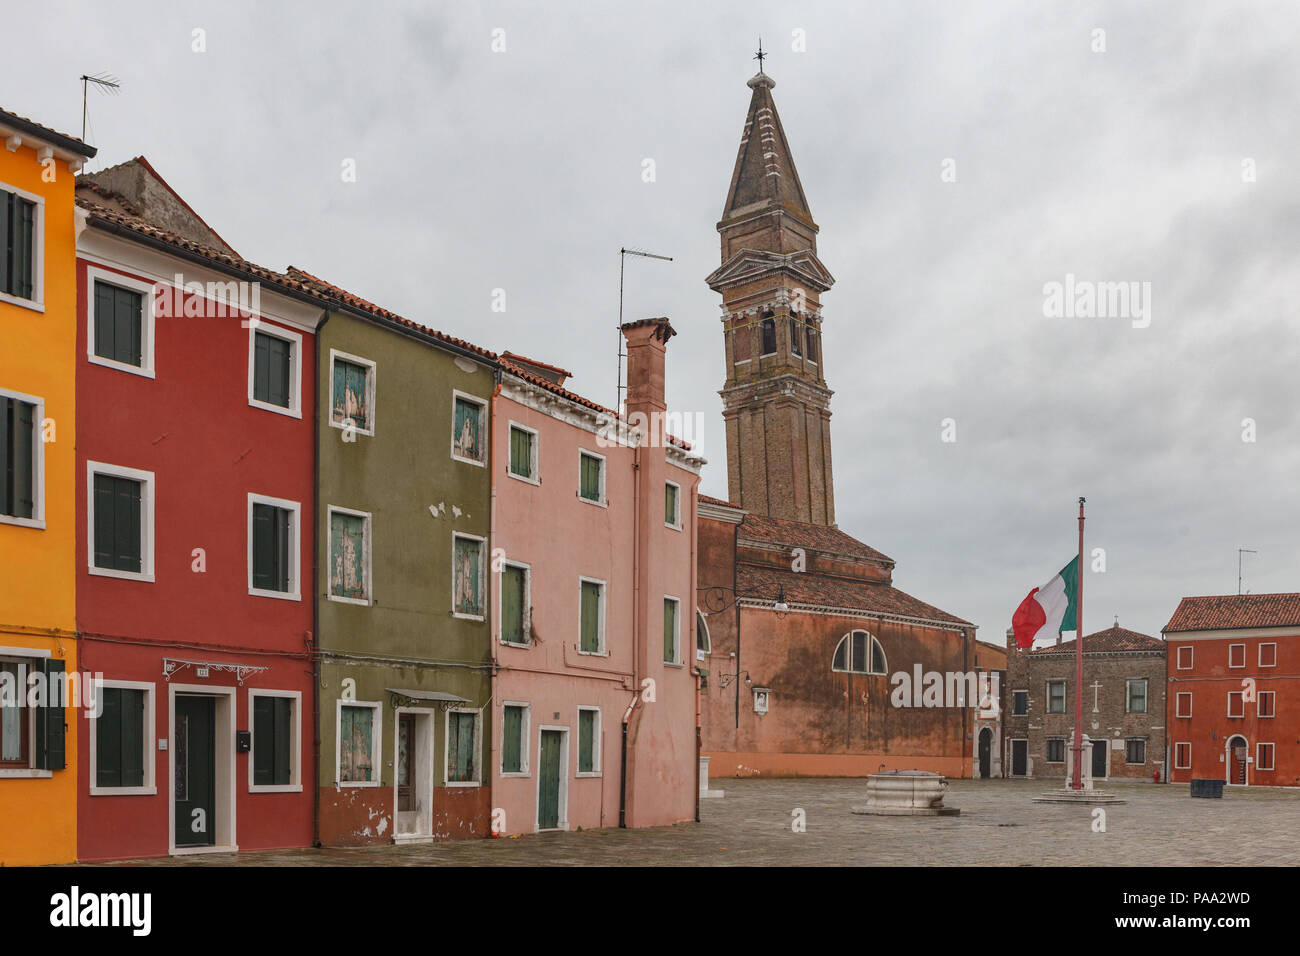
(636,626)
(494,584)
(965,711)
(315,602)
(695,668)
(735,583)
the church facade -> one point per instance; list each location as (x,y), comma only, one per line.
(812,661)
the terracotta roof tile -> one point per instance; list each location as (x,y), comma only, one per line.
(97,189)
(707,499)
(823,591)
(62,139)
(1109,641)
(1218,612)
(815,536)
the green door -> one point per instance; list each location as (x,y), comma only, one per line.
(548,796)
(194,752)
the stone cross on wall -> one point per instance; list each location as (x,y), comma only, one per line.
(1096,685)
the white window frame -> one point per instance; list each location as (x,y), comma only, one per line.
(37,303)
(702,653)
(678,525)
(372,378)
(1273,645)
(376,742)
(482,579)
(147,290)
(295,547)
(597,769)
(847,643)
(1178,703)
(525,729)
(147,498)
(295,743)
(1259,755)
(1047,702)
(1272,704)
(149,787)
(527,609)
(478,748)
(482,429)
(677,632)
(1240,700)
(604,464)
(601,649)
(1128,694)
(1232,647)
(534,463)
(762,700)
(1183,766)
(368,548)
(1190,657)
(38,462)
(294,410)
(23,657)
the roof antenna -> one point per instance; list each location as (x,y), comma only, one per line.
(1240,552)
(106,82)
(622,261)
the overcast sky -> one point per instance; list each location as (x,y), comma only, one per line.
(522,170)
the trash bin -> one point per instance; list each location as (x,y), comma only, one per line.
(1207,789)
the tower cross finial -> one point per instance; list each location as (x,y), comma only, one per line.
(760,55)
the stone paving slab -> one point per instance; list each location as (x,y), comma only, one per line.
(1160,825)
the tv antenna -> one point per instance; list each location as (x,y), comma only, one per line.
(622,263)
(1240,552)
(105,82)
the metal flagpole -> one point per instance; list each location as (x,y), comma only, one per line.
(1077,783)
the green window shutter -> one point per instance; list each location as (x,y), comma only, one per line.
(589,479)
(129,313)
(126,524)
(347,556)
(461,746)
(468,577)
(360,395)
(670,504)
(6,219)
(670,631)
(8,434)
(263,741)
(512,605)
(512,730)
(355,759)
(132,738)
(521,453)
(586,741)
(337,407)
(50,726)
(105,323)
(590,617)
(283,740)
(105,543)
(468,424)
(261,367)
(108,739)
(264,548)
(271,370)
(17,444)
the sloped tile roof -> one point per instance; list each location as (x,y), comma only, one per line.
(1109,641)
(814,536)
(1219,612)
(709,500)
(71,143)
(824,591)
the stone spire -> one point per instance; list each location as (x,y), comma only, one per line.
(775,401)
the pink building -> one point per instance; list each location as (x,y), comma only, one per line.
(594,545)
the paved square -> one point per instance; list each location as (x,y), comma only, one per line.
(999,825)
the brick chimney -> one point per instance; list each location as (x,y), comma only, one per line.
(647,340)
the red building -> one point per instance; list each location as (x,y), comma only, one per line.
(195,454)
(1234,671)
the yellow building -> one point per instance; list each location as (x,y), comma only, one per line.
(38,539)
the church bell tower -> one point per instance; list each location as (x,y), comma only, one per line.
(775,401)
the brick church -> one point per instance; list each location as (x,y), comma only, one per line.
(800,627)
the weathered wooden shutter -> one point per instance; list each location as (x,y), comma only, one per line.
(586,740)
(590,479)
(50,716)
(512,729)
(670,631)
(521,453)
(590,623)
(356,385)
(512,605)
(338,391)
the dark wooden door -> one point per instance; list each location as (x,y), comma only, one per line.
(405,762)
(1099,761)
(193,740)
(986,756)
(1019,757)
(1238,758)
(548,794)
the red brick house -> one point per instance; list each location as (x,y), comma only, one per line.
(1234,674)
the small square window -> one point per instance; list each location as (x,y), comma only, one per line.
(588,741)
(1135,750)
(352,393)
(467,437)
(467,578)
(523,452)
(120,519)
(591,477)
(349,556)
(1236,704)
(1185,657)
(1268,655)
(1055,750)
(1236,655)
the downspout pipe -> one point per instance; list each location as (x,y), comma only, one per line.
(494,579)
(315,603)
(636,627)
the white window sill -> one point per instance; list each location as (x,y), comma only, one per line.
(536,482)
(290,411)
(519,644)
(278,595)
(341,426)
(673,664)
(468,461)
(123,791)
(146,576)
(522,775)
(347,600)
(561,828)
(593,653)
(275,788)
(603,503)
(588,774)
(24,303)
(26,774)
(38,523)
(143,371)
(468,617)
(672,527)
(464,783)
(358,783)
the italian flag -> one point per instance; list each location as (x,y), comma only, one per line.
(1049,610)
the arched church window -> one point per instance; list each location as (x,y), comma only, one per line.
(796,337)
(702,643)
(859,653)
(769,336)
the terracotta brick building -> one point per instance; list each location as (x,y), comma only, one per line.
(1123,706)
(801,631)
(1233,666)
